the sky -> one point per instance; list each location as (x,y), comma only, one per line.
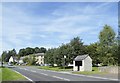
(49,24)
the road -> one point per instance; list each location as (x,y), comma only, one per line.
(35,74)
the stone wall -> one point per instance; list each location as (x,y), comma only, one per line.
(109,69)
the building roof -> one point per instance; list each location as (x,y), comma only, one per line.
(81,57)
(39,54)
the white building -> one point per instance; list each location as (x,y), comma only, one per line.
(21,61)
(82,63)
(40,58)
(13,59)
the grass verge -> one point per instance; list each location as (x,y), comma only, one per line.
(55,68)
(94,71)
(10,75)
(0,74)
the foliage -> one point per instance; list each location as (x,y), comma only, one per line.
(104,51)
(29,50)
(70,50)
(107,36)
(6,55)
(30,60)
(92,51)
(108,47)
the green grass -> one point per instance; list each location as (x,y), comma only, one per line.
(0,74)
(54,68)
(10,75)
(94,71)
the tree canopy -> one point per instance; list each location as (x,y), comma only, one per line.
(104,51)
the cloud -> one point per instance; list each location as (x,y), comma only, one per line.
(0,28)
(60,1)
(25,26)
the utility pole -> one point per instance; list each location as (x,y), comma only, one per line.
(1,61)
(64,61)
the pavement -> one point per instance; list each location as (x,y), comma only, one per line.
(35,74)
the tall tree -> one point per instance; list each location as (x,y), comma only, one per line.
(42,50)
(4,56)
(92,51)
(22,52)
(107,36)
(77,47)
(29,50)
(13,52)
(37,50)
(49,57)
(107,40)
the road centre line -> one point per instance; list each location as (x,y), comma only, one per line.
(32,71)
(85,75)
(44,74)
(76,75)
(61,78)
(52,76)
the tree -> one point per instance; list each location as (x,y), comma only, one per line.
(92,51)
(26,60)
(22,52)
(13,52)
(49,57)
(30,60)
(4,56)
(70,50)
(77,47)
(42,50)
(37,50)
(29,50)
(107,36)
(107,40)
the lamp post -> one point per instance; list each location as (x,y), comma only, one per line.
(2,61)
(64,61)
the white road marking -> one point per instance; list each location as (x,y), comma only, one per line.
(25,69)
(61,78)
(73,74)
(23,75)
(20,68)
(32,71)
(66,79)
(84,75)
(44,74)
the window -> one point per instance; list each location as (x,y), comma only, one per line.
(78,63)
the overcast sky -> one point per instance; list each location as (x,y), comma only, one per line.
(53,23)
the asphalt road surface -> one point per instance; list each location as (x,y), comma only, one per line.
(35,74)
